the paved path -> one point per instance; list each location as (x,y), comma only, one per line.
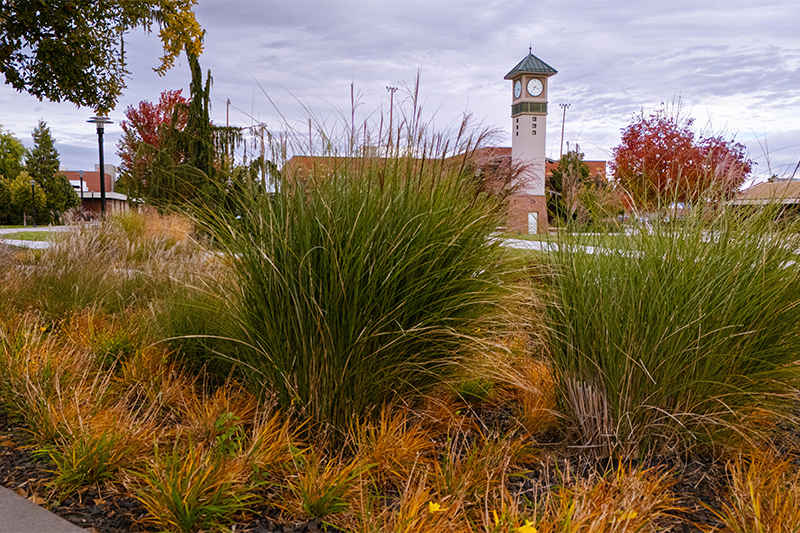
(18,515)
(31,228)
(27,244)
(542,246)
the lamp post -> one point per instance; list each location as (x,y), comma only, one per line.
(33,202)
(80,175)
(563,119)
(101,121)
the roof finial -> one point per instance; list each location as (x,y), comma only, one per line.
(530,48)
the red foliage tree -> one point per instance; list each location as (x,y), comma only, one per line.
(660,160)
(144,133)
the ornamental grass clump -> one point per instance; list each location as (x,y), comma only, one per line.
(680,334)
(363,280)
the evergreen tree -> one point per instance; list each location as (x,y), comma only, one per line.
(198,128)
(197,177)
(41,163)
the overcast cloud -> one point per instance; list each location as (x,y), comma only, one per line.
(734,64)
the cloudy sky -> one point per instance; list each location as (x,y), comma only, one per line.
(734,64)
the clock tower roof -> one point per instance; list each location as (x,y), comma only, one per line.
(531,65)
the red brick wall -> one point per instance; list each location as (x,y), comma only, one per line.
(518,208)
(91,180)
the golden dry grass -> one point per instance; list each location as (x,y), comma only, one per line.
(764,495)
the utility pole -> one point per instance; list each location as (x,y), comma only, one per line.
(564,107)
(391,111)
(228,113)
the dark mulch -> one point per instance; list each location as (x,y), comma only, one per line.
(699,480)
(104,511)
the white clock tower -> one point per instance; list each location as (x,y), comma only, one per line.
(528,208)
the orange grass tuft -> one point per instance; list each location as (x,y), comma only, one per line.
(626,500)
(764,496)
(394,444)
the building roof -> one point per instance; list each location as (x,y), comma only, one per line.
(784,191)
(531,65)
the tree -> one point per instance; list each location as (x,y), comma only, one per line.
(5,200)
(61,196)
(42,161)
(660,161)
(565,183)
(143,134)
(41,164)
(11,152)
(74,50)
(196,175)
(22,203)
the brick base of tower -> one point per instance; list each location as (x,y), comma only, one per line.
(520,207)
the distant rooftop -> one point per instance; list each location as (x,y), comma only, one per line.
(785,191)
(531,65)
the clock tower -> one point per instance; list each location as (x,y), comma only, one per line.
(528,207)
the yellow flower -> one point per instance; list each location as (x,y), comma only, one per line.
(628,515)
(527,528)
(496,520)
(435,508)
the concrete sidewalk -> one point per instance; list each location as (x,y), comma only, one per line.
(18,515)
(11,241)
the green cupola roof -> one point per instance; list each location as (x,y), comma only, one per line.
(531,65)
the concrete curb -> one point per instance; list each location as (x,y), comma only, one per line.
(40,245)
(18,515)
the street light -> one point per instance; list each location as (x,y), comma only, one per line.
(80,175)
(33,202)
(101,122)
(563,119)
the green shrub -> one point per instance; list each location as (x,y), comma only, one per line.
(362,280)
(678,334)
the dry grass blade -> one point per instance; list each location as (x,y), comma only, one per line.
(323,486)
(764,496)
(394,444)
(626,500)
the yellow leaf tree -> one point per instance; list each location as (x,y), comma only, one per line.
(73,50)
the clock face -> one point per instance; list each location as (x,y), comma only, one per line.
(535,87)
(517,89)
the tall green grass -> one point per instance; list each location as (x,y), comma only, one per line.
(686,335)
(363,280)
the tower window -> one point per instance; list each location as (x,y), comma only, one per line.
(533,118)
(533,126)
(533,132)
